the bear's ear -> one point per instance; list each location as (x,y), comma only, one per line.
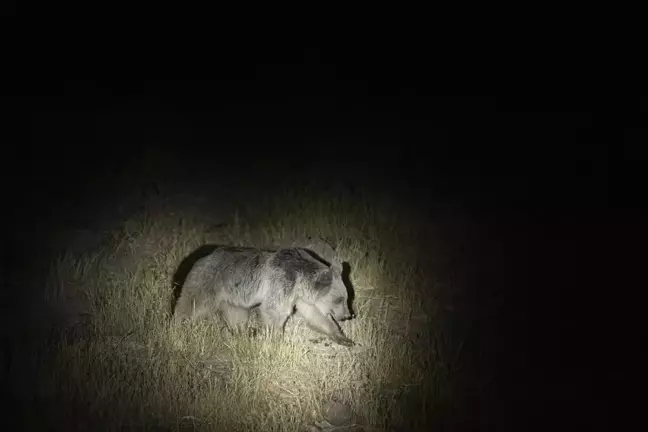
(322,248)
(324,280)
(336,265)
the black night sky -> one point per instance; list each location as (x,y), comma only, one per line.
(527,175)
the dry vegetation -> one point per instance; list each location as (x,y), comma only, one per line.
(114,361)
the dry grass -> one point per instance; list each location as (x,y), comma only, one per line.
(115,362)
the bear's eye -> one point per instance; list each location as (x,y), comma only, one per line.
(338,300)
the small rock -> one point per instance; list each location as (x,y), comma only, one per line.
(337,414)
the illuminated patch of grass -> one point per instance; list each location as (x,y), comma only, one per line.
(124,366)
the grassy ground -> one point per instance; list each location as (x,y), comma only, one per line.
(111,360)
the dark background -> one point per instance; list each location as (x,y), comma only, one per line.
(532,174)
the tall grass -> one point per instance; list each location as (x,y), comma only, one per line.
(115,362)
